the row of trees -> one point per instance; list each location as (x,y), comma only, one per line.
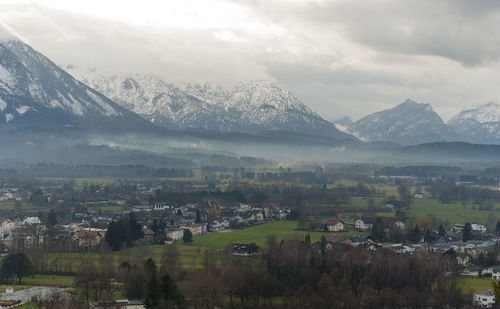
(299,274)
(448,193)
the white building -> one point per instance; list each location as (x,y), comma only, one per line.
(495,273)
(363,223)
(334,225)
(478,227)
(175,234)
(485,299)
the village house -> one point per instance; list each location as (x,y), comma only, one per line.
(175,234)
(478,228)
(160,207)
(389,222)
(334,225)
(485,299)
(495,273)
(364,223)
(244,249)
(90,238)
(149,235)
(463,259)
(396,204)
(196,229)
(332,240)
(142,208)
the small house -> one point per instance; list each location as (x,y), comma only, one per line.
(334,225)
(485,299)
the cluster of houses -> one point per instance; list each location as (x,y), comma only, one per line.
(10,194)
(363,224)
(20,233)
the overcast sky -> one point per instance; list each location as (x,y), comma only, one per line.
(339,57)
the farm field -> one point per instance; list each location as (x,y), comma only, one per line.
(191,254)
(258,234)
(476,284)
(453,213)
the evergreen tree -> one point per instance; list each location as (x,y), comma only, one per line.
(152,293)
(467,232)
(188,236)
(378,232)
(52,218)
(198,216)
(170,292)
(415,235)
(322,242)
(134,227)
(429,236)
(441,231)
(150,265)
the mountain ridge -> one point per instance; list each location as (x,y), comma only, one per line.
(479,124)
(248,107)
(406,123)
(36,92)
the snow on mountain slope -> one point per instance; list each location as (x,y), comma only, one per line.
(407,123)
(264,106)
(478,125)
(35,90)
(249,107)
(155,100)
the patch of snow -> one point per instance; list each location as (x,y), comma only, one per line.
(3,105)
(6,78)
(9,117)
(21,110)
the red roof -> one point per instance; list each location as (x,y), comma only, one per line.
(87,234)
(333,222)
(334,238)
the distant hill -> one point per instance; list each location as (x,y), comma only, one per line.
(408,123)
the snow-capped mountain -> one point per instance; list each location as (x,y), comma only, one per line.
(248,107)
(155,100)
(35,91)
(263,106)
(478,125)
(407,123)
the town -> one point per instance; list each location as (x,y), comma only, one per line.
(56,224)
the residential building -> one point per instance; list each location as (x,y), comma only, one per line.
(90,238)
(364,223)
(175,234)
(197,229)
(334,225)
(485,299)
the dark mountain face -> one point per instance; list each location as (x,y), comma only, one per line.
(35,93)
(408,123)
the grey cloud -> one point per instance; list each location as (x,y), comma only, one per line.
(464,31)
(341,57)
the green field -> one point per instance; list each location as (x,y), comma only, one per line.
(258,234)
(191,255)
(476,284)
(453,213)
(49,280)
